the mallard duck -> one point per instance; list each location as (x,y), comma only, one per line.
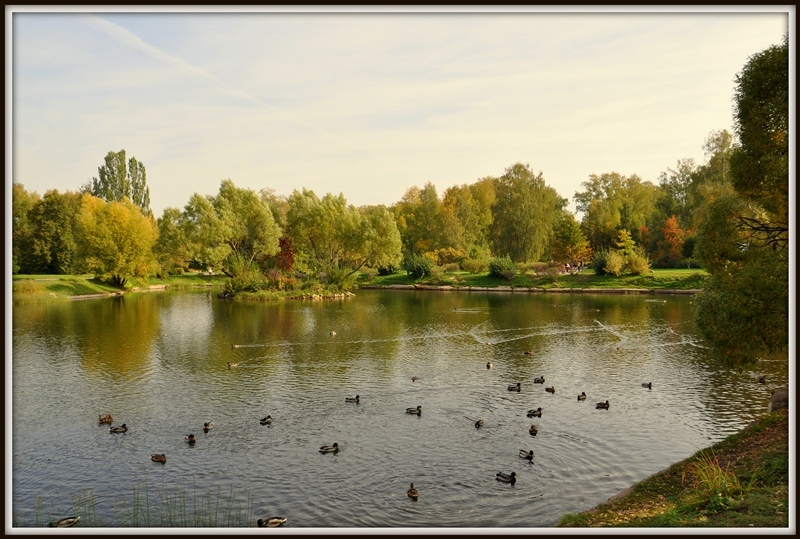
(489,365)
(535,413)
(189,439)
(414,378)
(527,455)
(155,457)
(762,380)
(232,365)
(329,448)
(273,522)
(602,405)
(333,334)
(550,389)
(528,353)
(582,396)
(479,423)
(235,345)
(266,421)
(412,492)
(415,411)
(355,399)
(648,385)
(534,430)
(517,387)
(118,429)
(539,380)
(105,419)
(507,478)
(67,522)
(208,426)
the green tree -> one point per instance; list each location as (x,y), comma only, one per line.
(525,211)
(234,230)
(171,247)
(116,240)
(118,179)
(568,243)
(53,236)
(611,202)
(21,229)
(337,239)
(743,239)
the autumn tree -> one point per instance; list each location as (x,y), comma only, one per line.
(568,243)
(115,240)
(53,236)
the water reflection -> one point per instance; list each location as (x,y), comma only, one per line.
(158,362)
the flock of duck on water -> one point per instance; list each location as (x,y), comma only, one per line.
(534,430)
(412,492)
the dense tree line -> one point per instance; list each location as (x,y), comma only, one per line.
(728,215)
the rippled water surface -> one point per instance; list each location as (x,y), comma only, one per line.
(159,363)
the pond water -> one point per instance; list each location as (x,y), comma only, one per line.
(158,362)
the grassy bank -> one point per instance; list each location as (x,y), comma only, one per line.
(43,288)
(660,279)
(740,482)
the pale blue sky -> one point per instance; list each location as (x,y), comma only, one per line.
(370,104)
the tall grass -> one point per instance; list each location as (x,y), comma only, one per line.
(163,507)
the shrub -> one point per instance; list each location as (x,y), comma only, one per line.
(368,274)
(637,263)
(418,266)
(451,268)
(509,274)
(615,263)
(499,265)
(598,262)
(26,286)
(552,273)
(475,265)
(387,270)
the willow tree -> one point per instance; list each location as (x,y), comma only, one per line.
(524,214)
(233,230)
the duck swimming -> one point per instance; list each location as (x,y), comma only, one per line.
(189,439)
(539,380)
(528,353)
(517,387)
(648,385)
(507,478)
(352,399)
(67,522)
(232,365)
(155,457)
(267,420)
(527,455)
(535,413)
(329,448)
(415,411)
(118,429)
(479,423)
(489,365)
(550,389)
(582,396)
(412,493)
(273,522)
(534,430)
(602,405)
(105,419)
(208,426)
(414,378)
(762,380)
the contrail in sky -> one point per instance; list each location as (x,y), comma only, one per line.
(130,39)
